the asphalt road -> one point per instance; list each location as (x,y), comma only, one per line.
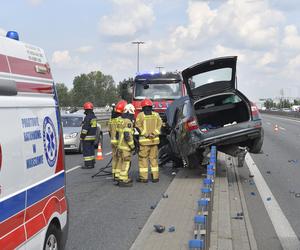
(104,216)
(279,164)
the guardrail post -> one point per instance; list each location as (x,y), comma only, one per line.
(196,244)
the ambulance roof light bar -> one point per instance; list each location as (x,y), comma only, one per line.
(12,35)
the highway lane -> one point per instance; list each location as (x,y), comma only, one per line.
(279,164)
(104,216)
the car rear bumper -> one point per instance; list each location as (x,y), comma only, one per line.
(234,137)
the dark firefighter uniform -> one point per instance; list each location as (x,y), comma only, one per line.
(148,124)
(114,135)
(125,145)
(88,136)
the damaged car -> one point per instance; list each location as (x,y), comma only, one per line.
(213,113)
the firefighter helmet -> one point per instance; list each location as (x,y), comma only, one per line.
(88,105)
(146,102)
(119,108)
(129,108)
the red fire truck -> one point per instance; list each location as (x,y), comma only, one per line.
(162,88)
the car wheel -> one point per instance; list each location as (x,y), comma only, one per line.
(53,238)
(256,144)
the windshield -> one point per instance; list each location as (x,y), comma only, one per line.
(71,121)
(157,90)
(217,75)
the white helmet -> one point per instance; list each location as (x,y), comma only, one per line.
(129,108)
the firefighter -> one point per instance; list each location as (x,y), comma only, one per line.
(126,145)
(88,135)
(148,124)
(112,126)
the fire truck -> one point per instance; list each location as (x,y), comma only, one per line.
(162,88)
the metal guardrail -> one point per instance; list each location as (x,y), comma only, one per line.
(294,114)
(203,219)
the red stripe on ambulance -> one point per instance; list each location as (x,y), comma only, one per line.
(14,239)
(26,67)
(3,64)
(60,158)
(34,88)
(11,223)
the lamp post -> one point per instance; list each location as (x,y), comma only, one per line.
(138,54)
(159,68)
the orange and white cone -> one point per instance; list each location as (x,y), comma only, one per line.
(276,128)
(99,153)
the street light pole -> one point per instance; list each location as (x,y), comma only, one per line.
(138,54)
(159,68)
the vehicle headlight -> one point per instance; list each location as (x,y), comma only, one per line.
(73,135)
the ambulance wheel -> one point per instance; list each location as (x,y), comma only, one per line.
(53,238)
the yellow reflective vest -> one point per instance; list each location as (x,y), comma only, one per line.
(125,131)
(112,127)
(149,126)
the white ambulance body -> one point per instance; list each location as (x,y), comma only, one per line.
(33,206)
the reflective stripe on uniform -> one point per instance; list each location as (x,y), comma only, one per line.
(89,158)
(143,170)
(124,148)
(154,169)
(84,131)
(90,138)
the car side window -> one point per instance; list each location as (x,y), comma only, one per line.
(185,109)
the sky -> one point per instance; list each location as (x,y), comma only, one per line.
(83,36)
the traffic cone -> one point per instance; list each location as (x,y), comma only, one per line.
(276,128)
(99,153)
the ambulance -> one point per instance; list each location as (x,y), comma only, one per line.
(33,204)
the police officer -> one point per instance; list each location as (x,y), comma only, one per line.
(148,124)
(112,127)
(126,145)
(88,135)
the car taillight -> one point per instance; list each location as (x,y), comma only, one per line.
(191,124)
(254,111)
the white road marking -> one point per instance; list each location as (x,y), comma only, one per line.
(73,168)
(109,153)
(282,128)
(284,230)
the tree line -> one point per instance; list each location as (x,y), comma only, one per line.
(283,103)
(95,87)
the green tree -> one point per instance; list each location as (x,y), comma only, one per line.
(125,89)
(269,103)
(63,95)
(94,87)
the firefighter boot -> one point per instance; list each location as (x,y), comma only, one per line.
(127,183)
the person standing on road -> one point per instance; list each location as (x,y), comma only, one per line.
(126,145)
(88,135)
(114,137)
(148,123)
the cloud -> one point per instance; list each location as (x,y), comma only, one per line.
(291,37)
(61,57)
(35,2)
(84,49)
(129,18)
